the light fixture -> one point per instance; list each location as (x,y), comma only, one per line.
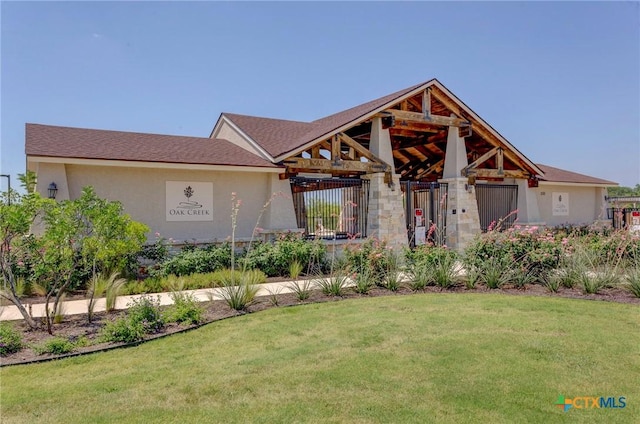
(53,190)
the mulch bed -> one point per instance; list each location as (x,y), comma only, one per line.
(76,326)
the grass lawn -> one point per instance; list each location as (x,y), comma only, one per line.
(422,358)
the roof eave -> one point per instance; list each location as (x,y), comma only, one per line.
(536,170)
(356,121)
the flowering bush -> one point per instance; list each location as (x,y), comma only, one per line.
(528,247)
(372,258)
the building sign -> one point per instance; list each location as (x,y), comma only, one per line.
(560,204)
(189,201)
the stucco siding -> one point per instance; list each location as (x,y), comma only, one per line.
(143,195)
(584,204)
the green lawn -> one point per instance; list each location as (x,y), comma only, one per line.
(423,358)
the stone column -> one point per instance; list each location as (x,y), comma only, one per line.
(463,220)
(386,219)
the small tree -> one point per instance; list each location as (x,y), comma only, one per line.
(67,236)
(87,230)
(16,220)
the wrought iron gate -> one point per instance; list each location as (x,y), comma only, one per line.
(497,205)
(430,200)
(331,208)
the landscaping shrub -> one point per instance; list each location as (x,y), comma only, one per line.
(146,311)
(185,309)
(122,330)
(196,260)
(10,339)
(371,256)
(55,346)
(142,317)
(274,259)
(529,247)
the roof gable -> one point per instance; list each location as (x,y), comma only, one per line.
(82,143)
(273,135)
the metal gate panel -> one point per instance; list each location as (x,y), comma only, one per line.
(331,208)
(432,199)
(497,205)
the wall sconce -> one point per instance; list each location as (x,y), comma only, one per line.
(53,190)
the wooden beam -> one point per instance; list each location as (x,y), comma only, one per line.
(433,168)
(426,102)
(415,103)
(335,148)
(401,115)
(500,161)
(495,173)
(332,166)
(482,159)
(360,149)
(416,127)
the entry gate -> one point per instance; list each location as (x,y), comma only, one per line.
(497,204)
(425,210)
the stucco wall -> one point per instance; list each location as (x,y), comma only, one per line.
(586,204)
(142,192)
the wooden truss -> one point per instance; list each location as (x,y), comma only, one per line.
(339,156)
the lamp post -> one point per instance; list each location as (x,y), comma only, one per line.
(8,187)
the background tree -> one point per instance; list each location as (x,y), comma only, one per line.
(624,191)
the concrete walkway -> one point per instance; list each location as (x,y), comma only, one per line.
(77,307)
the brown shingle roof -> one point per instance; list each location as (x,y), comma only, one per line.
(273,135)
(81,143)
(278,136)
(558,175)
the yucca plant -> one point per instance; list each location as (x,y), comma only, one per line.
(632,281)
(444,269)
(97,289)
(302,289)
(295,269)
(392,277)
(521,276)
(593,282)
(334,285)
(114,288)
(363,282)
(551,281)
(239,295)
(61,310)
(273,295)
(495,272)
(472,276)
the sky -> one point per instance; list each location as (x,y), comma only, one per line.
(559,80)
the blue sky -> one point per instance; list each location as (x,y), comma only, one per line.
(560,80)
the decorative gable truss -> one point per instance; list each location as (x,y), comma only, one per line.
(340,156)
